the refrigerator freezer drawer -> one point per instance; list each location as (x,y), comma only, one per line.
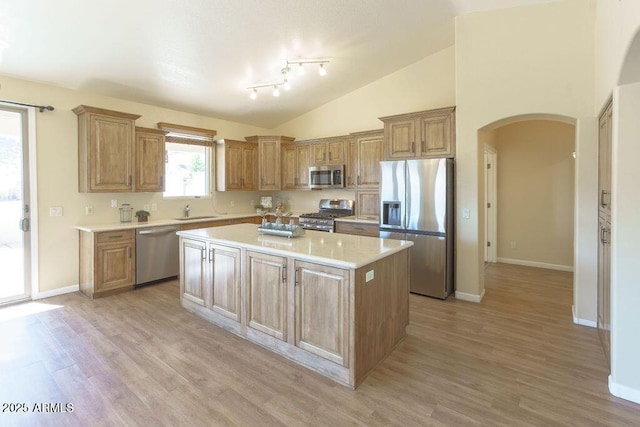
(431,269)
(428,265)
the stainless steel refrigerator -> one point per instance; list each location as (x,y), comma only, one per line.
(416,204)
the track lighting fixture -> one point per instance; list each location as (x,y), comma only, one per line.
(286,75)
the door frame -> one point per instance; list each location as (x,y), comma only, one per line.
(491,198)
(32,288)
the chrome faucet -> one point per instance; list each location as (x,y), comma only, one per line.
(187,209)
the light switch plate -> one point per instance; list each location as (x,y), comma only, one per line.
(154,207)
(88,210)
(369,275)
(55,211)
(466,213)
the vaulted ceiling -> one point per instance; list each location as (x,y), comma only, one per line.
(200,55)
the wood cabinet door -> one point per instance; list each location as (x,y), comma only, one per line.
(322,311)
(369,156)
(149,170)
(604,285)
(337,152)
(249,166)
(604,161)
(401,139)
(225,280)
(269,163)
(266,297)
(111,154)
(368,204)
(352,164)
(115,266)
(302,166)
(289,167)
(193,271)
(435,136)
(318,154)
(233,166)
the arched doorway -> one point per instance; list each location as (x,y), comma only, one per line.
(537,191)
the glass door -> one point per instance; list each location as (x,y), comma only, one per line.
(14,206)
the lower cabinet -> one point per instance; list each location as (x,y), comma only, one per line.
(266,298)
(107,262)
(322,311)
(193,271)
(210,277)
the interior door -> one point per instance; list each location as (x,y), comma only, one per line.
(14,205)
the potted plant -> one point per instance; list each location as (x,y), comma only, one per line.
(142,215)
(260,209)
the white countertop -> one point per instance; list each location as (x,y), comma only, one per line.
(157,223)
(335,249)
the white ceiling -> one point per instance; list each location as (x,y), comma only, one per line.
(200,55)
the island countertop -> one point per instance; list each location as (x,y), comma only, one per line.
(339,250)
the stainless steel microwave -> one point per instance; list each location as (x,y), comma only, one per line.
(331,176)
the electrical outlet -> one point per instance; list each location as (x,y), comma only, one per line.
(369,275)
(146,207)
(232,203)
(154,207)
(114,203)
(88,210)
(55,211)
(466,213)
(513,245)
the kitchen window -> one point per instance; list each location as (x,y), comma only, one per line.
(188,165)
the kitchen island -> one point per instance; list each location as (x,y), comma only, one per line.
(335,303)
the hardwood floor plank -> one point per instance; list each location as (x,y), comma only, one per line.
(516,359)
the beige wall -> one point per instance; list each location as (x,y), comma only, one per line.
(424,85)
(617,30)
(507,66)
(57,172)
(535,193)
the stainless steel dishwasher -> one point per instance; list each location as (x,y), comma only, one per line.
(157,254)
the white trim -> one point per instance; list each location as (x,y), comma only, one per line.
(582,322)
(469,297)
(56,292)
(624,392)
(536,264)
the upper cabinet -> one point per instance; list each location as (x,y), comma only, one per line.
(329,151)
(604,161)
(149,160)
(423,134)
(236,165)
(363,171)
(295,166)
(269,175)
(105,150)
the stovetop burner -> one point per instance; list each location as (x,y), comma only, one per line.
(329,209)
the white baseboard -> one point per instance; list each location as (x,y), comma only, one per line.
(583,322)
(624,392)
(56,292)
(536,264)
(469,297)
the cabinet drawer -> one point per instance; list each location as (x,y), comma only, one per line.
(114,236)
(362,229)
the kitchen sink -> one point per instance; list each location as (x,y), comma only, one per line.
(195,217)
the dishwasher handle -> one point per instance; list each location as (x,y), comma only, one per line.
(158,230)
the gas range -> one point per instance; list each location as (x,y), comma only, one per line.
(330,209)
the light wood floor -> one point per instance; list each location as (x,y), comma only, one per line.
(139,359)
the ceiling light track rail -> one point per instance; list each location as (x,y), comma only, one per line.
(286,73)
(42,108)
